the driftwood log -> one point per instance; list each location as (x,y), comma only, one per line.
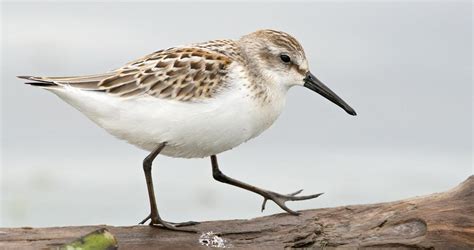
(437,221)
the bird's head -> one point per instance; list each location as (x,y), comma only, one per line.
(279,58)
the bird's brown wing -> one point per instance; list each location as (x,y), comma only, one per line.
(185,73)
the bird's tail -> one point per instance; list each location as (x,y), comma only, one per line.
(38,82)
(87,82)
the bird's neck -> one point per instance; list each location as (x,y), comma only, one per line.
(263,86)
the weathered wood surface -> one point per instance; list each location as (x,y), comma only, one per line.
(439,221)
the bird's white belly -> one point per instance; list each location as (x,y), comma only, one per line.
(190,129)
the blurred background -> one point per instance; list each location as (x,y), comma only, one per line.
(405,67)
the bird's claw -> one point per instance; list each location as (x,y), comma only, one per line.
(144,220)
(158,222)
(175,226)
(280,199)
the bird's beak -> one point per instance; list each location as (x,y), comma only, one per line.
(311,82)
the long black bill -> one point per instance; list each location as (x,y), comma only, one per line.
(311,82)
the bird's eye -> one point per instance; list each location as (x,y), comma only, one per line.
(285,58)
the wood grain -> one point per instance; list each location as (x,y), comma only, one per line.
(438,221)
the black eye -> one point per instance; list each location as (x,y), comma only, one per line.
(285,58)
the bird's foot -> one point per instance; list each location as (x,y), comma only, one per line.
(158,222)
(280,199)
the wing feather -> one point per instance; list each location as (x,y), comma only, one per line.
(185,73)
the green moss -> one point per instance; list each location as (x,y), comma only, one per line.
(100,239)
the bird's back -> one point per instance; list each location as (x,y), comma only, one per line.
(186,73)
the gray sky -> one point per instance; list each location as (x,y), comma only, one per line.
(405,67)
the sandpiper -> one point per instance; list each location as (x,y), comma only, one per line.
(196,101)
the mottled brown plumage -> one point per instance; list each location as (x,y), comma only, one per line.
(176,73)
(188,73)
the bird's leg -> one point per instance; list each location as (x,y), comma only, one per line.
(154,216)
(279,199)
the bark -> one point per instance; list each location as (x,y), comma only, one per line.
(442,221)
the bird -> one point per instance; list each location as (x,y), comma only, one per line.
(195,101)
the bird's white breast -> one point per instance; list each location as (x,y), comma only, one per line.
(190,129)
